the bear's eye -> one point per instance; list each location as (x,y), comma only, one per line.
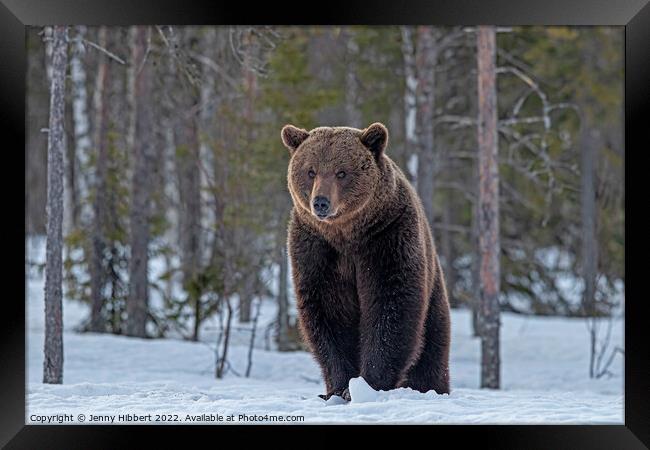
(311,173)
(340,174)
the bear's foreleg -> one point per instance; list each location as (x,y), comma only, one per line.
(393,306)
(333,344)
(327,312)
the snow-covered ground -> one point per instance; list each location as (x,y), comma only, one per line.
(544,378)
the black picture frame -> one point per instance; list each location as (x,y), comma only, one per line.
(633,15)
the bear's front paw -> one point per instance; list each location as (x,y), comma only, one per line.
(380,380)
(344,394)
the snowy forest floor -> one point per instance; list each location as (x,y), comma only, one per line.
(544,378)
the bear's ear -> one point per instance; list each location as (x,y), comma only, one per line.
(375,137)
(292,137)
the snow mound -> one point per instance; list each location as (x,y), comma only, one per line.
(361,392)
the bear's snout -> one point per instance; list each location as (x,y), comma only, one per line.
(321,206)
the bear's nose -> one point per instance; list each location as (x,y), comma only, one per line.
(321,206)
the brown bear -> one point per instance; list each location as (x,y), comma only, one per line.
(370,291)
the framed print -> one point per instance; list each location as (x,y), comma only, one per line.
(388,215)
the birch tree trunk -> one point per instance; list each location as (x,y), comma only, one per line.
(81,123)
(141,124)
(426,56)
(488,223)
(53,348)
(410,103)
(48,37)
(100,113)
(209,103)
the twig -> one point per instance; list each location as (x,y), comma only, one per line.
(605,370)
(458,121)
(111,55)
(449,38)
(226,339)
(516,121)
(146,53)
(173,50)
(534,86)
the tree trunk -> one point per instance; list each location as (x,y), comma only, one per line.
(53,348)
(81,124)
(410,103)
(447,250)
(141,123)
(488,223)
(246,298)
(189,180)
(588,213)
(189,177)
(283,339)
(426,56)
(198,317)
(209,103)
(352,112)
(70,194)
(35,139)
(169,169)
(588,208)
(97,257)
(245,237)
(476,269)
(48,38)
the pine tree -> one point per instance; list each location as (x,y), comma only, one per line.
(490,251)
(53,360)
(141,145)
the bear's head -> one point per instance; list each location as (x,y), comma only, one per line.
(334,171)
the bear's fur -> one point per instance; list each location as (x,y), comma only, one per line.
(370,291)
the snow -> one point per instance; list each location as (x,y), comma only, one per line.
(361,392)
(116,379)
(335,400)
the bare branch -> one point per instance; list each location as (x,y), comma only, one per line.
(146,53)
(108,53)
(520,64)
(605,369)
(457,121)
(516,121)
(520,103)
(449,38)
(172,46)
(458,187)
(498,29)
(210,63)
